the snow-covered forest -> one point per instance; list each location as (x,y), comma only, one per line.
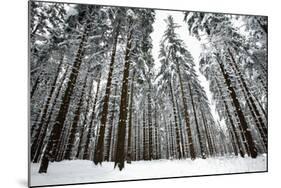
(100,92)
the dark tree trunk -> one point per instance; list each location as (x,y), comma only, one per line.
(139,140)
(73,128)
(98,155)
(37,81)
(230,120)
(83,126)
(136,136)
(59,122)
(156,134)
(186,117)
(86,154)
(183,149)
(242,120)
(121,134)
(209,141)
(150,128)
(253,108)
(42,126)
(40,144)
(167,135)
(203,154)
(178,146)
(110,128)
(129,147)
(172,138)
(143,134)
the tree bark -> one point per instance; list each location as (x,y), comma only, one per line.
(73,128)
(230,120)
(110,128)
(150,128)
(203,154)
(242,120)
(59,122)
(86,153)
(98,156)
(40,144)
(186,117)
(129,147)
(253,108)
(178,146)
(42,126)
(209,141)
(144,134)
(121,134)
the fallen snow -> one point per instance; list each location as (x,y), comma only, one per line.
(83,171)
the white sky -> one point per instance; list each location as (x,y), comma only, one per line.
(193,45)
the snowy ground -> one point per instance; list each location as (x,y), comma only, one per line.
(79,171)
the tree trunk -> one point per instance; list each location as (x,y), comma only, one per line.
(40,144)
(230,120)
(59,122)
(156,134)
(150,128)
(129,147)
(42,126)
(110,128)
(178,146)
(209,141)
(86,153)
(120,152)
(253,108)
(181,129)
(37,81)
(203,154)
(186,117)
(98,156)
(73,128)
(242,120)
(167,135)
(143,134)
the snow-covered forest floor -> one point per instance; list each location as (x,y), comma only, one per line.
(83,171)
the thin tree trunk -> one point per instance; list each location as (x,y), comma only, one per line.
(144,133)
(86,154)
(230,120)
(84,123)
(242,120)
(186,117)
(181,130)
(150,128)
(37,81)
(156,134)
(42,126)
(111,121)
(59,122)
(178,147)
(129,149)
(167,131)
(73,128)
(120,152)
(40,144)
(98,156)
(203,154)
(253,108)
(209,141)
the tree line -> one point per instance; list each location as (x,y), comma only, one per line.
(96,95)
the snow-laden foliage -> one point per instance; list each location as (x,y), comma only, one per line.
(96,93)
